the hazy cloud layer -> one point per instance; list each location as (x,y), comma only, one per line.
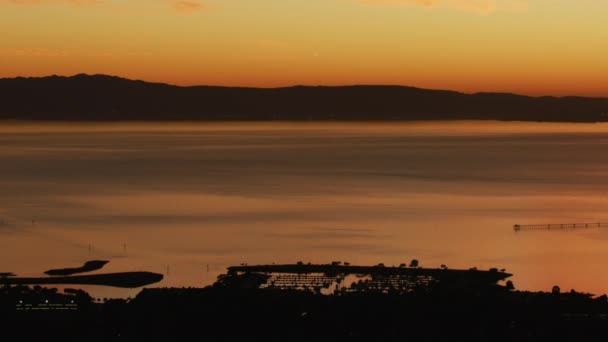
(40,2)
(191,6)
(34,52)
(480,6)
(179,6)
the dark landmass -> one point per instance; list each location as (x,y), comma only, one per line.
(88,266)
(125,279)
(219,313)
(444,274)
(7,274)
(236,307)
(100,97)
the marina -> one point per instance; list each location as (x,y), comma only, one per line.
(338,278)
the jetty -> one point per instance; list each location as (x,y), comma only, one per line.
(88,266)
(558,226)
(124,279)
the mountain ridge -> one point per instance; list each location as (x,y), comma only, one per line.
(99,97)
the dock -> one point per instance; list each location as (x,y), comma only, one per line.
(558,226)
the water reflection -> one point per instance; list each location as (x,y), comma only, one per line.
(191,195)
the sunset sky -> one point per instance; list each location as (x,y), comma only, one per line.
(538,47)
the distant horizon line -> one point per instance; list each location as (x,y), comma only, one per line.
(301,85)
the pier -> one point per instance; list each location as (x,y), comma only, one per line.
(128,280)
(558,226)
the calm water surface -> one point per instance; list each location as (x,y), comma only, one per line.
(187,200)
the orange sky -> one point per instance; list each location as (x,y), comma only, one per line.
(555,47)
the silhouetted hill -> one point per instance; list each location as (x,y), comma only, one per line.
(100,97)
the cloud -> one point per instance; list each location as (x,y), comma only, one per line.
(187,7)
(479,6)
